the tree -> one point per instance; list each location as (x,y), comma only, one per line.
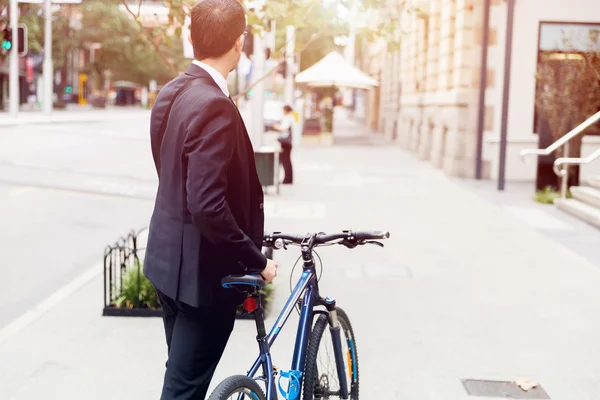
(568,93)
(316,19)
(123,48)
(30,15)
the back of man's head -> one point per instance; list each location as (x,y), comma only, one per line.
(216,25)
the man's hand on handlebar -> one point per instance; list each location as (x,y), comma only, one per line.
(270,271)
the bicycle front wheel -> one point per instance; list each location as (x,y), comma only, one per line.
(320,372)
(238,387)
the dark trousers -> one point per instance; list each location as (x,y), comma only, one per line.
(286,162)
(196,339)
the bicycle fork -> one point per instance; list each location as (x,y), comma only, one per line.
(336,335)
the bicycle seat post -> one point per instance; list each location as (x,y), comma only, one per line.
(259,317)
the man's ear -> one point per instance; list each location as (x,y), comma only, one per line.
(190,39)
(239,44)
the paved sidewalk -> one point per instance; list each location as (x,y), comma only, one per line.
(463,289)
(73,115)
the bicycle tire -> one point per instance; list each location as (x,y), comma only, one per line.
(311,381)
(238,384)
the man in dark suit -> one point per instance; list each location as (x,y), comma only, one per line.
(208,217)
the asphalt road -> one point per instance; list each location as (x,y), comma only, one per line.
(66,191)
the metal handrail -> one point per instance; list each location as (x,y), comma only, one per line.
(564,172)
(573,161)
(563,140)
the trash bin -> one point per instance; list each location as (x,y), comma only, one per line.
(267,166)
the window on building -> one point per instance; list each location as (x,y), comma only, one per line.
(423,30)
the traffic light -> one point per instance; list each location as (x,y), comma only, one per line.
(7,39)
(22,32)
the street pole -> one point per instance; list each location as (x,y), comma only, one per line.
(505,93)
(14,59)
(350,49)
(48,66)
(289,60)
(258,96)
(482,88)
(271,36)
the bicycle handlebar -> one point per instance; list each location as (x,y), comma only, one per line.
(348,238)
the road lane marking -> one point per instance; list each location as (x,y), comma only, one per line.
(50,302)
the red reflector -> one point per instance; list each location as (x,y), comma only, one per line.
(250,304)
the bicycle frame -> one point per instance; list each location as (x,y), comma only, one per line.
(307,285)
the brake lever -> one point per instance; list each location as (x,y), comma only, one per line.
(375,243)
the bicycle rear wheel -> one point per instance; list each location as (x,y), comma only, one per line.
(238,387)
(320,372)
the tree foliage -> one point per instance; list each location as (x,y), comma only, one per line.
(568,92)
(568,89)
(124,49)
(133,51)
(317,23)
(124,46)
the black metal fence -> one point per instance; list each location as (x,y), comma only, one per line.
(127,292)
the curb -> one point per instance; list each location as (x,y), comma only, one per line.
(102,117)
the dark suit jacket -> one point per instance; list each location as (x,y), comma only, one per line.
(208,219)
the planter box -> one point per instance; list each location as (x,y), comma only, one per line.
(123,274)
(149,312)
(131,312)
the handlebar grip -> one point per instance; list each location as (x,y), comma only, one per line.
(371,235)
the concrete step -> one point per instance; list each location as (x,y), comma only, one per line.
(583,211)
(594,181)
(588,195)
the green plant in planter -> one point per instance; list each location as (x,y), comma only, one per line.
(136,289)
(138,292)
(267,292)
(548,195)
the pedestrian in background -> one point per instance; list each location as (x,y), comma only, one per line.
(286,139)
(208,219)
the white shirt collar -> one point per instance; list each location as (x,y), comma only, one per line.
(216,75)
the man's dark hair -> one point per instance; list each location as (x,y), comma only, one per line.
(216,25)
(287,109)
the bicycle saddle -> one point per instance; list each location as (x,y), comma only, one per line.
(243,280)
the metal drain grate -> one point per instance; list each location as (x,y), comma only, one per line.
(503,390)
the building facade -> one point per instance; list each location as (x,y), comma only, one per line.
(429,92)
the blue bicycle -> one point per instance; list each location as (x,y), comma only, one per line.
(315,374)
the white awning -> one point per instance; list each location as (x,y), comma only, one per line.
(334,71)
